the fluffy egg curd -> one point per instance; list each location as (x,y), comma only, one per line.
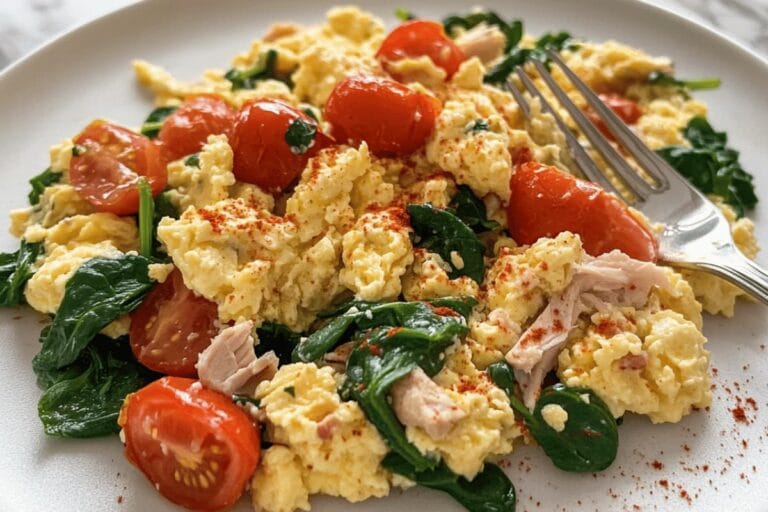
(321,254)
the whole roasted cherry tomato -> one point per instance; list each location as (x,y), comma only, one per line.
(391,118)
(272,143)
(186,130)
(196,447)
(545,201)
(106,164)
(421,37)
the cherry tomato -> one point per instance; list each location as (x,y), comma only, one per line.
(263,156)
(391,118)
(171,327)
(627,110)
(196,447)
(545,201)
(107,162)
(421,37)
(186,130)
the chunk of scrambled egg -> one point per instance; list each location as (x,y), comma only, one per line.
(428,278)
(322,444)
(206,183)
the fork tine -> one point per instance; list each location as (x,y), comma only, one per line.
(635,183)
(585,164)
(518,98)
(647,158)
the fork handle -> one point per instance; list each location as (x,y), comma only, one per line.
(739,270)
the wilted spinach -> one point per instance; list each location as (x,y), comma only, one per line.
(146,219)
(300,135)
(15,271)
(279,338)
(711,166)
(661,78)
(589,442)
(265,68)
(192,160)
(84,399)
(40,182)
(154,121)
(557,41)
(471,210)
(443,232)
(98,292)
(489,491)
(513,30)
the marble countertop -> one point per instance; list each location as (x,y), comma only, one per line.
(26,24)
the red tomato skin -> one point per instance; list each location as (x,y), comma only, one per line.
(171,327)
(392,119)
(186,130)
(627,110)
(545,201)
(177,415)
(416,38)
(106,172)
(261,154)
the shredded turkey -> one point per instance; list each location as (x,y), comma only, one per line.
(419,402)
(612,279)
(484,41)
(633,361)
(229,365)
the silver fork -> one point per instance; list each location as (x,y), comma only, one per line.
(696,234)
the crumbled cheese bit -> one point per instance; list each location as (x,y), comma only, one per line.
(457,260)
(554,416)
(584,397)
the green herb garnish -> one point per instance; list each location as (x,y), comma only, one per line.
(146,218)
(192,160)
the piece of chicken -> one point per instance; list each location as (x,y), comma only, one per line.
(419,402)
(229,365)
(484,41)
(612,279)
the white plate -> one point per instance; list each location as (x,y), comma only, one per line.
(87,74)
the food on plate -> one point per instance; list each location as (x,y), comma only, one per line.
(349,265)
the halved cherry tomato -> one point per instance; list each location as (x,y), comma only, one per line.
(262,154)
(391,118)
(421,37)
(545,201)
(107,162)
(627,110)
(186,130)
(196,447)
(171,327)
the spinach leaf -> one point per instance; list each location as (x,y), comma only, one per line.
(84,399)
(15,271)
(661,78)
(558,41)
(154,121)
(300,135)
(443,232)
(40,182)
(711,166)
(192,160)
(590,440)
(513,31)
(404,14)
(98,292)
(489,491)
(416,315)
(279,338)
(265,68)
(245,400)
(478,125)
(146,218)
(471,210)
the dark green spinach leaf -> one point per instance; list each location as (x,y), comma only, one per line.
(40,183)
(661,78)
(192,160)
(98,292)
(513,31)
(471,210)
(154,121)
(265,68)
(278,338)
(489,491)
(15,271)
(84,399)
(443,232)
(711,166)
(557,41)
(300,135)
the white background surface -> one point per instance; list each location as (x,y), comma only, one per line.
(87,75)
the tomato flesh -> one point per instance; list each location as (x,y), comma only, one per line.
(106,165)
(627,110)
(416,38)
(391,118)
(261,153)
(545,201)
(196,447)
(186,130)
(171,327)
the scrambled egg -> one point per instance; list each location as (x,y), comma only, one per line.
(322,444)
